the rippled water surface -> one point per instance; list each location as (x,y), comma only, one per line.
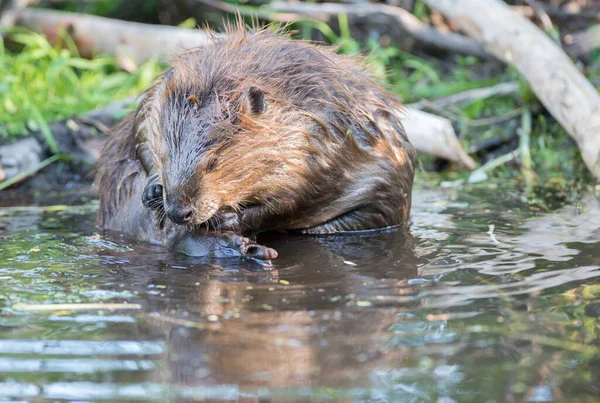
(486,298)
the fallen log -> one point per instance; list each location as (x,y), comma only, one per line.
(143,41)
(434,135)
(556,81)
(122,39)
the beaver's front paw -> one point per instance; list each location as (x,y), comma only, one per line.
(253,250)
(152,196)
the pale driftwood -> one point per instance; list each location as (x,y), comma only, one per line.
(499,90)
(93,35)
(580,44)
(558,84)
(434,135)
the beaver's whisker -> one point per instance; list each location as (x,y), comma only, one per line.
(218,225)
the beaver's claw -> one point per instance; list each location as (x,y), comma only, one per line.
(152,196)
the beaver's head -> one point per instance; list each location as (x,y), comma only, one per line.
(216,141)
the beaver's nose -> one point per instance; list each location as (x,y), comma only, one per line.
(178,214)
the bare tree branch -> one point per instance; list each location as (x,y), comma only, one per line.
(407,23)
(557,82)
(502,89)
(93,35)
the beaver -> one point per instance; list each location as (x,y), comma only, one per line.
(256,132)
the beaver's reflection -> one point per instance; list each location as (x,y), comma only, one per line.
(320,329)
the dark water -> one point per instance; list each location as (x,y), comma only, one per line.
(487,298)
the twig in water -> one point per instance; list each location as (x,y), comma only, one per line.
(182,322)
(492,235)
(481,173)
(540,339)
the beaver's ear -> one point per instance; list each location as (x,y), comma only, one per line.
(253,101)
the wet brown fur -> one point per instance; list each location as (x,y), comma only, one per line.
(328,154)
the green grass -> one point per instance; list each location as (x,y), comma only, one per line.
(42,83)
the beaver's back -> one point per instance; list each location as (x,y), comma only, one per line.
(309,78)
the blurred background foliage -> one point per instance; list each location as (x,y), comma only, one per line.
(40,82)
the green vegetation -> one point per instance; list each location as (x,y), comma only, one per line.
(42,83)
